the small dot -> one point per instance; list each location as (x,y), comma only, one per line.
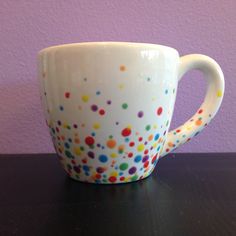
(124,105)
(61,108)
(75,126)
(219,93)
(140,114)
(117,123)
(148,127)
(166,91)
(159,111)
(109,102)
(85,98)
(85,79)
(67,95)
(94,108)
(122,68)
(148,79)
(98,93)
(102,112)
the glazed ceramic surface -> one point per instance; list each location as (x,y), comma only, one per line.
(109,105)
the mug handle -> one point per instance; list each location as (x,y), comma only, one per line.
(214,95)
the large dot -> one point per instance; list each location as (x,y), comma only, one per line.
(138,158)
(111,143)
(156,137)
(126,132)
(132,170)
(140,147)
(124,166)
(159,111)
(103,158)
(89,140)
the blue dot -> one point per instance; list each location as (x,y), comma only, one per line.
(98,93)
(70,140)
(138,158)
(126,140)
(166,91)
(87,173)
(121,173)
(103,158)
(85,168)
(158,148)
(93,134)
(61,108)
(157,137)
(67,145)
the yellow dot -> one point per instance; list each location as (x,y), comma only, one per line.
(140,147)
(114,173)
(113,155)
(121,86)
(85,98)
(122,68)
(219,93)
(155,126)
(77,151)
(155,144)
(189,127)
(96,126)
(65,125)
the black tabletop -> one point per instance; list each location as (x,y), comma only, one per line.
(188,194)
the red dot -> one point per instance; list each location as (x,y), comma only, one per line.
(84,161)
(67,94)
(98,176)
(73,162)
(100,170)
(102,112)
(130,154)
(146,164)
(112,179)
(131,144)
(126,132)
(89,140)
(146,152)
(154,158)
(178,131)
(140,139)
(122,178)
(200,111)
(159,111)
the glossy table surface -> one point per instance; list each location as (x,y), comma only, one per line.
(188,194)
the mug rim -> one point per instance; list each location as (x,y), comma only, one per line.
(107,43)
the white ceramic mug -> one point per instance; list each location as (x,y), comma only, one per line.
(109,105)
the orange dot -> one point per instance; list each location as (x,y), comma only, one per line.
(150,137)
(122,68)
(77,140)
(198,122)
(170,144)
(111,143)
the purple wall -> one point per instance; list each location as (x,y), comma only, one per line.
(201,26)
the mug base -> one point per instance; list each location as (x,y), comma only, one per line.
(126,181)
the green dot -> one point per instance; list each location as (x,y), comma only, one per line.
(68,153)
(148,127)
(124,105)
(124,166)
(135,177)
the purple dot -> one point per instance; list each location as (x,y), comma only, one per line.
(140,114)
(59,122)
(94,108)
(109,102)
(145,143)
(91,154)
(75,126)
(98,145)
(132,170)
(145,158)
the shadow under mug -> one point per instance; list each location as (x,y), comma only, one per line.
(108,106)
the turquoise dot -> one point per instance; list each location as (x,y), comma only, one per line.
(103,158)
(166,91)
(138,158)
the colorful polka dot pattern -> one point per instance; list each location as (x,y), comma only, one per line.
(98,147)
